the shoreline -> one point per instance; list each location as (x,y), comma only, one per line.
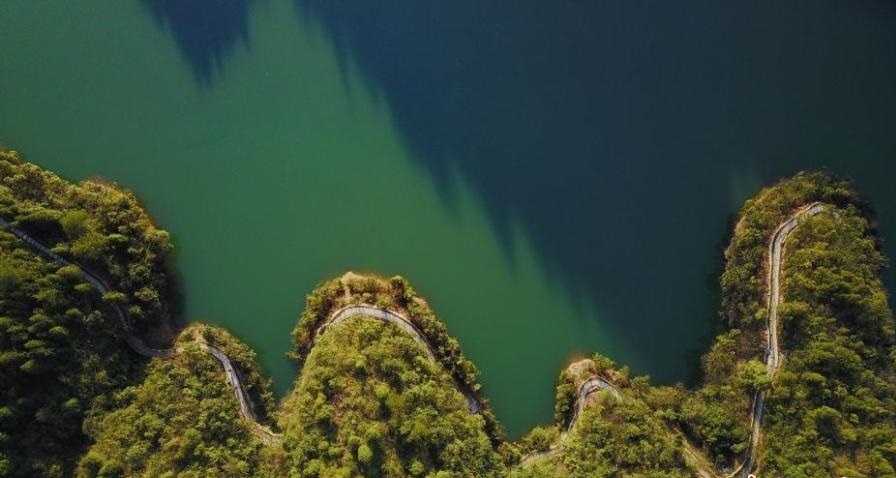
(766,223)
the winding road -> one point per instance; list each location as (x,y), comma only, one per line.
(773,358)
(585,390)
(233,377)
(136,343)
(403,323)
(772,355)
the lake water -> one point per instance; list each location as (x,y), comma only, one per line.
(556,178)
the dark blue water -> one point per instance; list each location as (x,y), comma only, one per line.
(623,134)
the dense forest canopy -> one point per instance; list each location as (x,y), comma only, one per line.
(832,407)
(62,350)
(833,410)
(370,403)
(372,399)
(181,420)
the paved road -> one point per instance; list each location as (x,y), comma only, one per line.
(585,390)
(772,357)
(233,378)
(403,323)
(140,347)
(773,354)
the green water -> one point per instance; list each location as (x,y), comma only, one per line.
(290,157)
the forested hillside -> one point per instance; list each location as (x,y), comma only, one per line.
(370,403)
(396,399)
(395,294)
(182,420)
(614,436)
(831,409)
(62,353)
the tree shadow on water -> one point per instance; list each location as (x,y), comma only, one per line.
(611,130)
(206,31)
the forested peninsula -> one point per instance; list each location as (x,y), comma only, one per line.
(99,381)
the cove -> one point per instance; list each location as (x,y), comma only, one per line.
(555,179)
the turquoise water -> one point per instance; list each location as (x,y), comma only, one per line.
(555,179)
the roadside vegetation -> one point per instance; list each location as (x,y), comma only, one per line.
(244,360)
(613,437)
(62,355)
(369,401)
(182,420)
(97,225)
(394,294)
(75,400)
(830,409)
(62,349)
